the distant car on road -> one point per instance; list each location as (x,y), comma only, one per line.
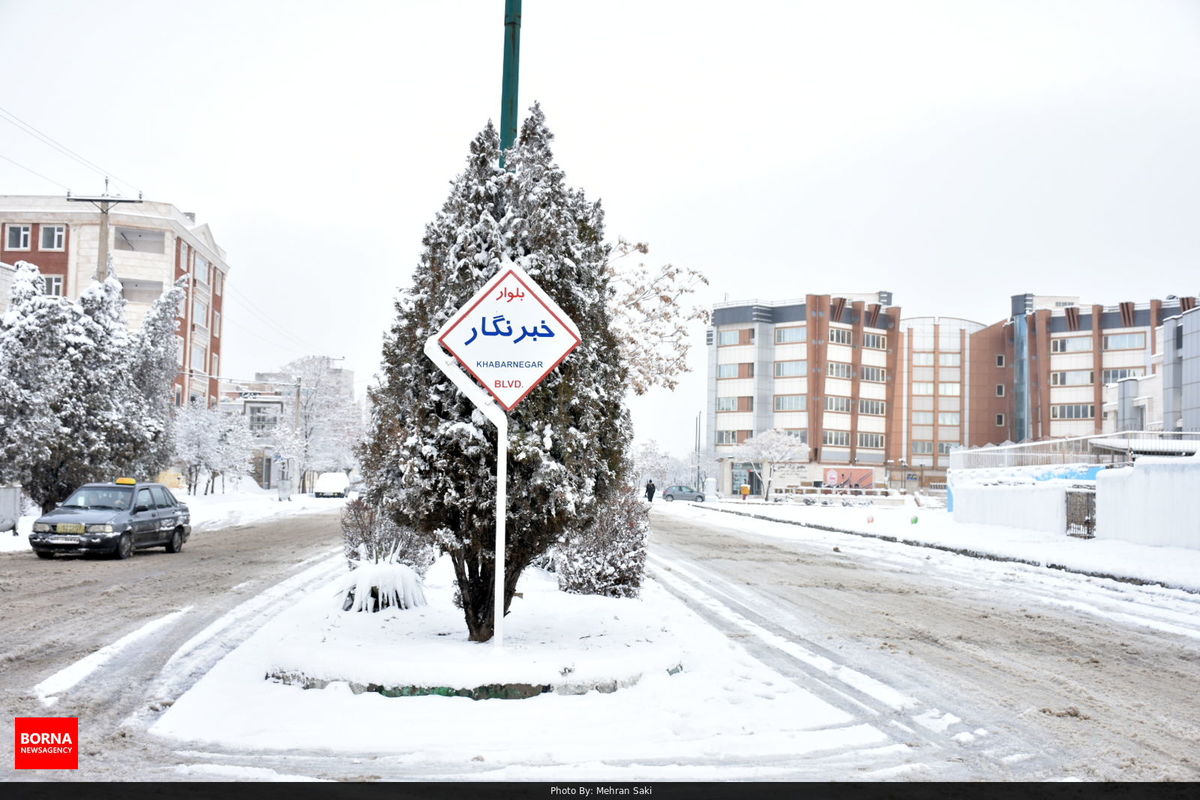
(114,518)
(332,484)
(682,493)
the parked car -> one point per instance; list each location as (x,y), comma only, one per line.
(114,518)
(332,484)
(682,493)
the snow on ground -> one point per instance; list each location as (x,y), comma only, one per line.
(1172,566)
(722,704)
(243,505)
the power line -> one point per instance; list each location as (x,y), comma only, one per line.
(34,172)
(262,316)
(46,139)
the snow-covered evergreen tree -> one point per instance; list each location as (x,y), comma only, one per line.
(153,366)
(608,557)
(430,455)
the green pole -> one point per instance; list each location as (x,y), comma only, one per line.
(512,60)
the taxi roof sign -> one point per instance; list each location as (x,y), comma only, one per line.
(125,482)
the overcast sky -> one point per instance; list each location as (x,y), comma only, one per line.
(954,152)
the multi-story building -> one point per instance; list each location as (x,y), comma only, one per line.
(879,397)
(151,245)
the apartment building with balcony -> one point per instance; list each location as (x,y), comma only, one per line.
(151,245)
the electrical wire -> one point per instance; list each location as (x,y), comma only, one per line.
(34,172)
(48,140)
(263,317)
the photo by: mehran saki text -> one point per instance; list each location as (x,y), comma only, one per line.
(511,337)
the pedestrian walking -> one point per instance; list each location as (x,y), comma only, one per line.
(650,491)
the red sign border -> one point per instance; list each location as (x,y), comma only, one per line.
(484,296)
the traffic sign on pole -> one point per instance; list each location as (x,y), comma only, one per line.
(509,336)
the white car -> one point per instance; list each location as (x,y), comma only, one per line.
(332,484)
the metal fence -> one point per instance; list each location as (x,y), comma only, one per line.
(1106,449)
(1081,512)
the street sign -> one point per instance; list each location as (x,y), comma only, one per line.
(510,336)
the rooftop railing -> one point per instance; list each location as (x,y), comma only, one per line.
(1105,448)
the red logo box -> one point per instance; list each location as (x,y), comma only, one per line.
(46,742)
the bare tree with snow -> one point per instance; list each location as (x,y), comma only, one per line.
(769,448)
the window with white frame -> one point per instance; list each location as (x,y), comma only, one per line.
(1072,377)
(922,387)
(922,359)
(791,402)
(1125,341)
(999,420)
(792,335)
(791,369)
(949,359)
(201,269)
(216,328)
(1073,411)
(53,284)
(944,448)
(838,369)
(199,357)
(872,441)
(726,437)
(949,389)
(199,312)
(16,237)
(922,418)
(1114,375)
(875,374)
(727,404)
(999,390)
(875,341)
(183,255)
(218,281)
(876,408)
(797,433)
(949,418)
(727,370)
(836,438)
(1071,344)
(999,359)
(54,237)
(841,336)
(839,405)
(216,364)
(922,448)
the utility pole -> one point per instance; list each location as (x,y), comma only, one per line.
(512,62)
(104,202)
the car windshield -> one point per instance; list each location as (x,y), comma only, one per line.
(116,498)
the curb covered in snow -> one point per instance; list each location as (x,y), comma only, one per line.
(962,551)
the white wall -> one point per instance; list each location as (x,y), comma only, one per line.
(1155,502)
(1041,508)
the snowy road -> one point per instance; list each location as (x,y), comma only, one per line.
(90,637)
(982,670)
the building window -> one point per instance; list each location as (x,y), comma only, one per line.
(840,405)
(216,364)
(873,441)
(837,369)
(726,437)
(179,344)
(791,369)
(199,312)
(836,438)
(201,269)
(1125,341)
(922,359)
(949,359)
(949,418)
(1073,411)
(922,448)
(54,284)
(999,390)
(199,357)
(54,237)
(791,335)
(17,237)
(875,374)
(797,433)
(949,389)
(922,387)
(841,336)
(791,402)
(216,328)
(876,408)
(875,341)
(1073,377)
(1114,375)
(944,448)
(999,420)
(183,256)
(1071,344)
(1000,359)
(727,371)
(735,336)
(726,404)
(922,418)
(218,282)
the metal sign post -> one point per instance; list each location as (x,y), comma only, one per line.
(509,336)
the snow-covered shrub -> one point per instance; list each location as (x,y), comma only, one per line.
(369,534)
(609,557)
(374,587)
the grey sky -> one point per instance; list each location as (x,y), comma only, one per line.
(953,152)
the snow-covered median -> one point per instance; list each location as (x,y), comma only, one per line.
(721,704)
(241,506)
(1176,567)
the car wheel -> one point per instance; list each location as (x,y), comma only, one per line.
(124,546)
(668,497)
(44,553)
(699,498)
(176,543)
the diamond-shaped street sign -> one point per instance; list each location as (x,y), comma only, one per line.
(510,336)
